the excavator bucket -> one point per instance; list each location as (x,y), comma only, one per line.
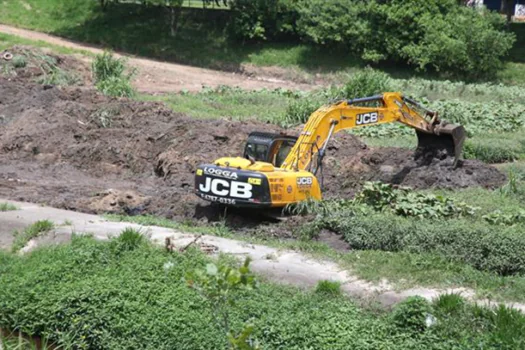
(446,141)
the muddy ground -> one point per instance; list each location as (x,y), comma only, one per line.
(73,148)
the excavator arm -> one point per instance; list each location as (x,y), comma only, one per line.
(433,134)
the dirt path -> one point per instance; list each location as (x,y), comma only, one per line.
(162,77)
(283,266)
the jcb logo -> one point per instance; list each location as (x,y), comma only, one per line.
(225,188)
(366,118)
(305,181)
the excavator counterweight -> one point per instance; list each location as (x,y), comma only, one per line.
(277,170)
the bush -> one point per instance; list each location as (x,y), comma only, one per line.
(412,313)
(405,201)
(367,82)
(116,87)
(262,19)
(467,241)
(436,34)
(109,74)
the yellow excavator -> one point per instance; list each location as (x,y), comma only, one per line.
(277,169)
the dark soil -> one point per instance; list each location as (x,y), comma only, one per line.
(71,147)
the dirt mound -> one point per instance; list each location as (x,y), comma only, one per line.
(399,167)
(66,146)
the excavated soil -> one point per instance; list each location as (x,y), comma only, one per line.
(74,148)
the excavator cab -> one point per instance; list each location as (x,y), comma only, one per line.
(268,147)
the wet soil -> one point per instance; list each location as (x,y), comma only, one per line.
(73,148)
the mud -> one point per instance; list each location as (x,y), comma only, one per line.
(73,148)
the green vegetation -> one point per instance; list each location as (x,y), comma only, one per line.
(328,287)
(220,285)
(7,206)
(442,35)
(110,76)
(403,269)
(8,41)
(30,232)
(388,219)
(97,296)
(204,37)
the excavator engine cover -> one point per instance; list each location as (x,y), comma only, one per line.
(446,141)
(230,186)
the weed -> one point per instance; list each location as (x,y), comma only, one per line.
(109,74)
(308,206)
(19,61)
(449,303)
(412,314)
(406,202)
(128,240)
(511,187)
(7,207)
(103,118)
(106,66)
(328,287)
(30,232)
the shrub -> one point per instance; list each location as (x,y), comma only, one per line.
(262,19)
(109,74)
(19,61)
(466,241)
(412,313)
(106,66)
(367,82)
(436,34)
(128,240)
(339,23)
(449,303)
(116,87)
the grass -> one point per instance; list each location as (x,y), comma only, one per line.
(30,232)
(97,295)
(7,207)
(233,103)
(7,41)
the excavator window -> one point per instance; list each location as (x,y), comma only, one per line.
(268,147)
(284,149)
(257,151)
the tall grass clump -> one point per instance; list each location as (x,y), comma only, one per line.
(111,75)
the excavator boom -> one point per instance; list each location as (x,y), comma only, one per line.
(434,136)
